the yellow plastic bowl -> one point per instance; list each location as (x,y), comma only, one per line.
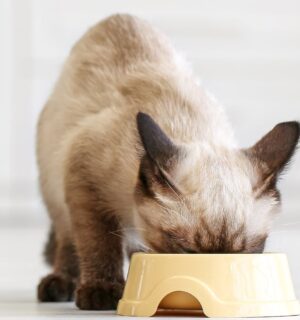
(222,285)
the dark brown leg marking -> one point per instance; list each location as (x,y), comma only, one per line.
(99,249)
(60,285)
(56,288)
(101,261)
(102,295)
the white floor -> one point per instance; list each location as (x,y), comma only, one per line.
(21,266)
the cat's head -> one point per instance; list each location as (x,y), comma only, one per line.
(201,198)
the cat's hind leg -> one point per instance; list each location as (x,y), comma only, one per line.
(60,284)
(60,253)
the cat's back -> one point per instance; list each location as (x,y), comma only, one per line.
(97,67)
(121,41)
(99,64)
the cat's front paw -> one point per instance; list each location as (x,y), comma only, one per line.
(101,295)
(56,288)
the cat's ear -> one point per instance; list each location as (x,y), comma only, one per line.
(157,144)
(161,155)
(276,148)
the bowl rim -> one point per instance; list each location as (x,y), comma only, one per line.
(208,254)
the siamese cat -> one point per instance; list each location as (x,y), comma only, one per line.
(134,155)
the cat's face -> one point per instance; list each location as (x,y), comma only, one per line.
(205,199)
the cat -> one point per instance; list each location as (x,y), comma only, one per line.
(135,155)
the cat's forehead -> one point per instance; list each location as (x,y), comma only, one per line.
(220,189)
(215,175)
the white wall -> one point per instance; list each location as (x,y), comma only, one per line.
(246,52)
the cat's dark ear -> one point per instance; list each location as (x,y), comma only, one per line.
(161,155)
(277,147)
(158,146)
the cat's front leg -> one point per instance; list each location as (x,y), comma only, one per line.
(99,247)
(100,255)
(100,295)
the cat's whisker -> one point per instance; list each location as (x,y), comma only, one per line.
(129,228)
(285,227)
(116,234)
(175,192)
(290,224)
(163,207)
(144,246)
(180,212)
(278,231)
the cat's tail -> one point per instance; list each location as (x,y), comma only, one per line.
(50,247)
